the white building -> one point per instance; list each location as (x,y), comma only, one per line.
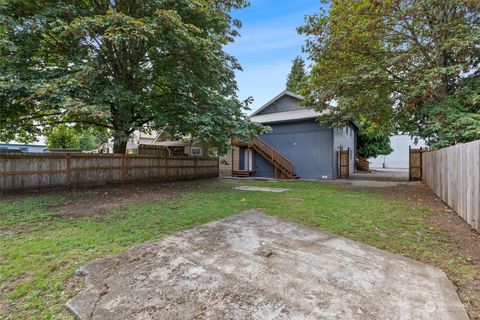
(398,159)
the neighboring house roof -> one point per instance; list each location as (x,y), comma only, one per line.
(41,142)
(300,114)
(176,143)
(23,145)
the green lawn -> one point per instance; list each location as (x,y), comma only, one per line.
(40,251)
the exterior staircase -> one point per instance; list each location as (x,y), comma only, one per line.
(284,168)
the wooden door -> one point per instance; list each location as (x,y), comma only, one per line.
(415,164)
(344,164)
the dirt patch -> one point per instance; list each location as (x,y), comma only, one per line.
(5,305)
(97,200)
(100,200)
(464,241)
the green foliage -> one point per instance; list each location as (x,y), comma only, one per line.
(455,119)
(402,63)
(63,137)
(120,65)
(297,77)
(88,141)
(372,141)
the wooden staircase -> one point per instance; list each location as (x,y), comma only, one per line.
(361,163)
(284,168)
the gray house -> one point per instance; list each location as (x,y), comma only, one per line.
(297,146)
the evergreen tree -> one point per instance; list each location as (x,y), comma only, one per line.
(297,77)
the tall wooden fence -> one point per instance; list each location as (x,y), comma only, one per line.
(18,171)
(454,175)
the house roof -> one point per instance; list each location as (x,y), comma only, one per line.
(282,94)
(303,113)
(298,114)
(41,142)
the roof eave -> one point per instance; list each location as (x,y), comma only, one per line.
(287,120)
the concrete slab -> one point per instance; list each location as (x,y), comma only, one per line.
(253,266)
(262,189)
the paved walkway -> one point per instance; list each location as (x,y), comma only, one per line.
(386,175)
(253,266)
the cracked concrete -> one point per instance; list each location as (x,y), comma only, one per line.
(253,266)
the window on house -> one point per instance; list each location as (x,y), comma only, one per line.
(196,151)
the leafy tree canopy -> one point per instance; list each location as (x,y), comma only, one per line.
(63,137)
(372,142)
(411,64)
(297,77)
(123,65)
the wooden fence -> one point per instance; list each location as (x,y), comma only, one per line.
(454,175)
(18,171)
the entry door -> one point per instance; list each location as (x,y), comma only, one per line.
(248,160)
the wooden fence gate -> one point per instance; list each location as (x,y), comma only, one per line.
(415,164)
(344,163)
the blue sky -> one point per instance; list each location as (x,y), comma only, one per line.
(268,44)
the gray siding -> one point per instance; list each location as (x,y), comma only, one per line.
(285,103)
(263,168)
(304,143)
(345,138)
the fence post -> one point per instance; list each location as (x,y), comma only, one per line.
(409,163)
(68,168)
(124,168)
(195,167)
(166,168)
(421,163)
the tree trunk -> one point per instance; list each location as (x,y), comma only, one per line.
(121,132)
(119,144)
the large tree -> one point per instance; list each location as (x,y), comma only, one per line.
(123,65)
(411,63)
(297,77)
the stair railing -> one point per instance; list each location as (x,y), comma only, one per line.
(276,156)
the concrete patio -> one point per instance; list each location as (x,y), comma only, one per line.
(253,266)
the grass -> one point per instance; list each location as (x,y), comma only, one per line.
(40,251)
